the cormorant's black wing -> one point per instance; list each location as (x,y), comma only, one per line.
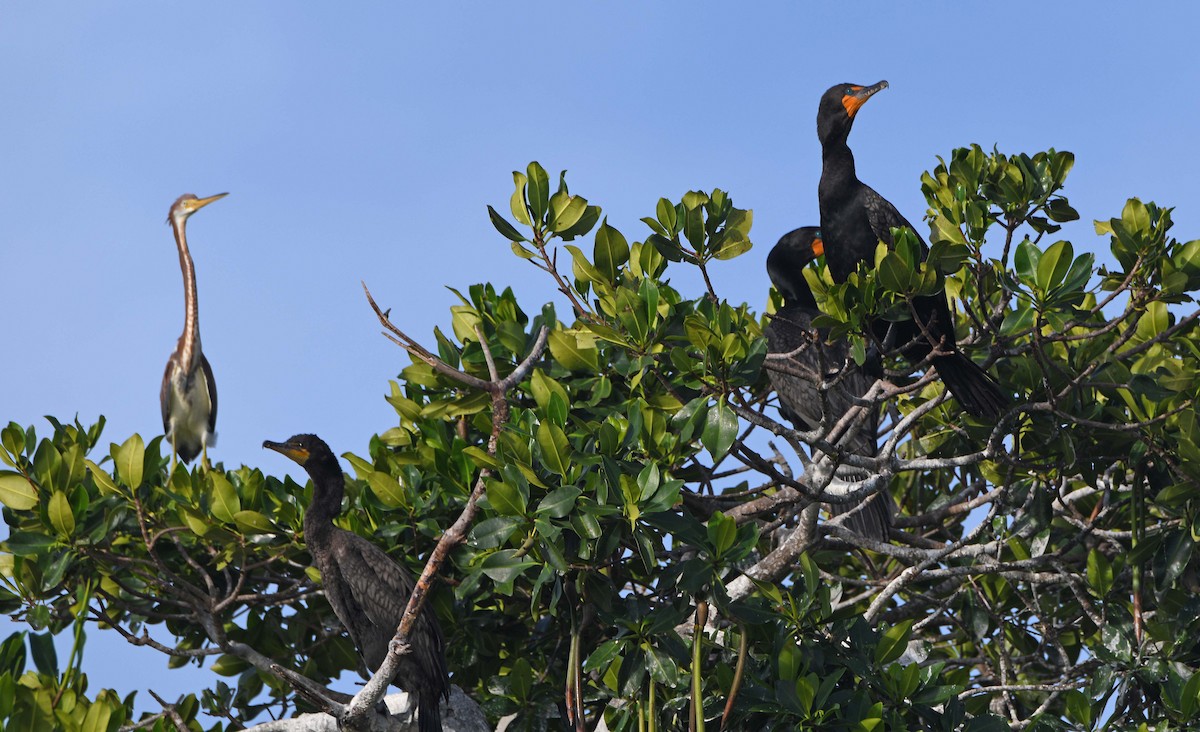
(381,587)
(975,389)
(883,217)
(377,593)
(796,379)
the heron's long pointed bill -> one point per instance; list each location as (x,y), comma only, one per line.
(295,452)
(202,202)
(860,95)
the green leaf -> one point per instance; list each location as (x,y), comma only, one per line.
(694,199)
(722,533)
(130,458)
(61,518)
(566,348)
(667,216)
(987,723)
(41,647)
(1026,261)
(566,211)
(225,502)
(945,231)
(28,544)
(491,533)
(693,226)
(647,482)
(1190,696)
(227,665)
(521,679)
(586,525)
(556,451)
(581,267)
(506,499)
(538,190)
(521,251)
(1053,265)
(517,202)
(1080,272)
(195,521)
(505,565)
(545,388)
(740,220)
(253,522)
(102,479)
(1136,217)
(611,251)
(97,718)
(1059,210)
(1017,321)
(16,492)
(894,641)
(733,244)
(559,502)
(387,489)
(720,430)
(894,274)
(481,459)
(507,230)
(1154,321)
(591,215)
(1099,573)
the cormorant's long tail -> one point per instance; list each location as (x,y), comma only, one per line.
(872,518)
(976,391)
(429,710)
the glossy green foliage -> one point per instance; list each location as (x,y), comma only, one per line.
(632,482)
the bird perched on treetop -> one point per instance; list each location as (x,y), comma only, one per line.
(811,361)
(188,394)
(367,589)
(854,219)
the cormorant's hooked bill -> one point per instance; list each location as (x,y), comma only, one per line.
(855,95)
(291,449)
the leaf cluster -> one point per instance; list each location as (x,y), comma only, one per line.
(648,549)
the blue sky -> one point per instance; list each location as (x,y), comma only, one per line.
(363,142)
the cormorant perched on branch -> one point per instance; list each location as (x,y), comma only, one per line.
(188,394)
(854,218)
(797,380)
(367,589)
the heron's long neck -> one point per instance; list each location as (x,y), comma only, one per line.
(189,342)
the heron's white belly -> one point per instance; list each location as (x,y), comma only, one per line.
(189,413)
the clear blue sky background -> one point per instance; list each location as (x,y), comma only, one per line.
(362,141)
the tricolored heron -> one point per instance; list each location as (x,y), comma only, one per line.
(189,393)
(367,589)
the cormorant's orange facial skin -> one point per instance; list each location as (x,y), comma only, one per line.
(818,247)
(296,452)
(852,101)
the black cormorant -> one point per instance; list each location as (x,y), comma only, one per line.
(791,331)
(854,218)
(367,589)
